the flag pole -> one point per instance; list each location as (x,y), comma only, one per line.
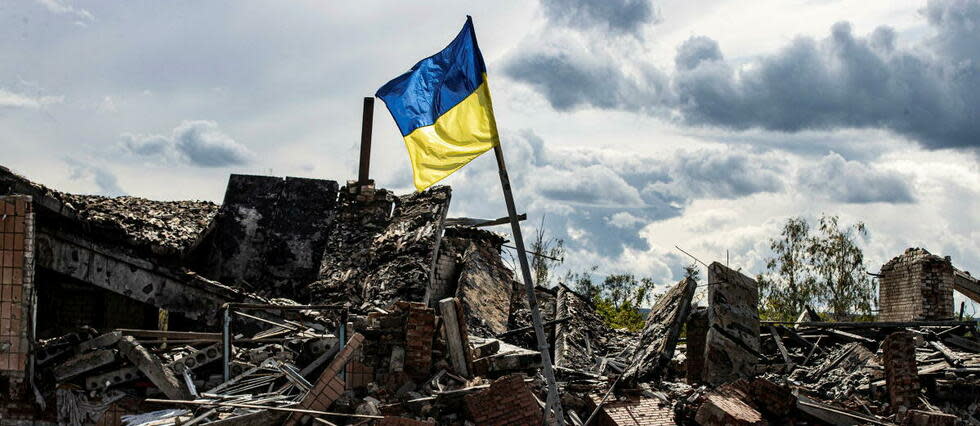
(553,398)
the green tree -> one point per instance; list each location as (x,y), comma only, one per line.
(618,298)
(789,284)
(843,284)
(581,282)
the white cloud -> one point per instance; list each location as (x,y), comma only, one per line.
(62,7)
(108,105)
(624,220)
(16,100)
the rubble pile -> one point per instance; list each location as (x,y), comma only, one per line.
(167,227)
(136,368)
(383,247)
(300,301)
(878,372)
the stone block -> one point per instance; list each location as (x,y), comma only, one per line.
(659,336)
(153,368)
(80,364)
(732,340)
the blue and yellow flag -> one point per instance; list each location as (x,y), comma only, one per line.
(442,107)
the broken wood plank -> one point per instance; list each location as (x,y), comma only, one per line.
(782,348)
(953,358)
(799,339)
(812,350)
(962,343)
(851,336)
(869,324)
(479,223)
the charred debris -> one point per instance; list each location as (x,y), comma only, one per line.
(300,301)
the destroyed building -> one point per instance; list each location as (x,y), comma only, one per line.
(302,301)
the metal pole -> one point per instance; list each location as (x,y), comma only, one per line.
(532,300)
(367,121)
(226,343)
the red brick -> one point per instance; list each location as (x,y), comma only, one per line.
(329,386)
(486,407)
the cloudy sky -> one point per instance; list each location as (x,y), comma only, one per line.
(632,125)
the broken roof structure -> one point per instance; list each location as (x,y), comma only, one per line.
(301,301)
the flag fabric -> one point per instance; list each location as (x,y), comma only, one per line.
(443,110)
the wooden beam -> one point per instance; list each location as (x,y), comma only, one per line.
(850,336)
(480,223)
(870,324)
(799,339)
(367,123)
(953,358)
(782,348)
(962,343)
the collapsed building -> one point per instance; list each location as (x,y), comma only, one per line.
(302,301)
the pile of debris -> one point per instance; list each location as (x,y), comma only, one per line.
(300,301)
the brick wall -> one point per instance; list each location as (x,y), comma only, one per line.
(508,401)
(744,401)
(916,285)
(928,418)
(634,410)
(901,372)
(420,326)
(445,273)
(358,374)
(16,284)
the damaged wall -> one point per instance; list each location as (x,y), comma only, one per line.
(389,242)
(268,234)
(732,342)
(915,286)
(484,284)
(16,290)
(659,336)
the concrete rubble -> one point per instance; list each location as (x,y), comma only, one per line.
(302,301)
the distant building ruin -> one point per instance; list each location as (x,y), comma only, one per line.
(918,286)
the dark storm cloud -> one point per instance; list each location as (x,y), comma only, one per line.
(722,174)
(928,93)
(570,71)
(619,16)
(198,143)
(599,199)
(696,50)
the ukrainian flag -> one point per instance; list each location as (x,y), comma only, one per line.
(442,107)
